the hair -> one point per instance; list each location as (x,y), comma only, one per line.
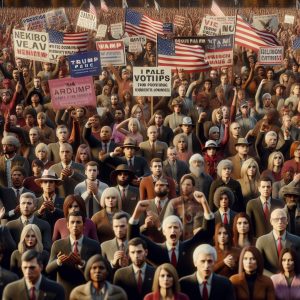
(171,219)
(39,243)
(265,178)
(93,259)
(271,159)
(29,111)
(112,192)
(32,254)
(67,145)
(135,107)
(221,191)
(204,249)
(228,231)
(120,215)
(138,241)
(37,162)
(294,256)
(155,160)
(172,271)
(91,163)
(214,115)
(18,169)
(223,164)
(234,228)
(258,257)
(293,148)
(245,166)
(80,148)
(29,195)
(177,138)
(42,146)
(41,113)
(185,177)
(68,202)
(60,127)
(136,122)
(196,157)
(76,214)
(271,134)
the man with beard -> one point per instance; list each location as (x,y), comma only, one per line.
(91,189)
(122,177)
(202,180)
(137,278)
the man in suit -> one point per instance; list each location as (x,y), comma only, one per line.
(136,279)
(28,205)
(259,209)
(70,173)
(173,250)
(34,285)
(147,183)
(204,284)
(271,244)
(68,256)
(226,89)
(91,189)
(9,159)
(153,148)
(122,176)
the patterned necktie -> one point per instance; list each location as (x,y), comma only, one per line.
(173,258)
(139,281)
(266,210)
(75,249)
(279,245)
(225,220)
(205,291)
(32,293)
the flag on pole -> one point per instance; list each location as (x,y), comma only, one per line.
(92,9)
(297,4)
(179,21)
(216,10)
(103,6)
(248,36)
(177,56)
(124,4)
(157,6)
(140,24)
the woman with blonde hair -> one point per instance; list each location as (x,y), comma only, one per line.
(31,238)
(134,129)
(275,164)
(137,112)
(42,153)
(249,179)
(165,285)
(83,154)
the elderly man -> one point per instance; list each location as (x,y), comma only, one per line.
(204,283)
(203,181)
(271,244)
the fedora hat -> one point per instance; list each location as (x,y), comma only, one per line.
(242,141)
(187,121)
(48,175)
(130,143)
(119,169)
(210,144)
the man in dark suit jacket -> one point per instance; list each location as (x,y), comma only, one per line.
(174,251)
(28,204)
(68,256)
(272,243)
(137,278)
(33,280)
(195,285)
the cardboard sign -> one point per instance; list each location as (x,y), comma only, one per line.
(35,23)
(136,43)
(289,19)
(116,30)
(31,45)
(101,32)
(87,20)
(152,81)
(271,55)
(209,27)
(112,52)
(56,18)
(85,64)
(75,92)
(266,22)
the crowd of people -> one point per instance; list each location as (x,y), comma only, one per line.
(199,200)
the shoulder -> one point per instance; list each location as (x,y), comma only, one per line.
(221,280)
(236,279)
(13,287)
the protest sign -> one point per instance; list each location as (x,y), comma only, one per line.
(85,64)
(266,22)
(167,28)
(111,52)
(289,19)
(101,32)
(31,45)
(135,47)
(152,81)
(270,55)
(116,30)
(193,40)
(35,23)
(209,27)
(136,43)
(75,92)
(56,18)
(87,20)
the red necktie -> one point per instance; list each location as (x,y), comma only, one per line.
(279,245)
(123,196)
(75,249)
(173,258)
(159,207)
(140,281)
(225,220)
(205,291)
(32,293)
(266,210)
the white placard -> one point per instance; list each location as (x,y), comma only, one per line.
(101,32)
(87,20)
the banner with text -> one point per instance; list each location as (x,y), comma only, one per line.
(75,92)
(116,30)
(270,55)
(152,81)
(112,52)
(213,25)
(191,40)
(266,22)
(101,31)
(35,23)
(87,20)
(289,19)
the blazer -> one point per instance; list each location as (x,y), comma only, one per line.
(49,290)
(158,253)
(267,245)
(221,287)
(218,217)
(156,296)
(283,291)
(166,135)
(54,152)
(173,121)
(125,279)
(83,292)
(16,226)
(237,164)
(147,188)
(6,278)
(131,199)
(10,245)
(159,152)
(71,276)
(108,249)
(263,287)
(254,210)
(181,166)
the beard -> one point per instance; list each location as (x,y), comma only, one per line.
(196,171)
(123,182)
(161,194)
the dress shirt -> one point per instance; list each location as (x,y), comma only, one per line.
(37,287)
(208,283)
(227,213)
(269,203)
(8,162)
(283,239)
(136,271)
(30,220)
(170,250)
(79,243)
(162,202)
(98,295)
(20,190)
(66,166)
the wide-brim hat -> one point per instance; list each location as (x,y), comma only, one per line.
(130,143)
(187,121)
(48,175)
(120,169)
(291,191)
(210,144)
(242,141)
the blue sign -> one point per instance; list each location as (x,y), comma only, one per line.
(85,64)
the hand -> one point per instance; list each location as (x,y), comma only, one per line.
(296,177)
(17,209)
(90,122)
(118,151)
(229,261)
(202,117)
(49,205)
(74,259)
(42,209)
(152,220)
(264,127)
(62,258)
(66,172)
(18,87)
(2,212)
(263,81)
(140,208)
(92,188)
(118,255)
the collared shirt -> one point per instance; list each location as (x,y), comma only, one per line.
(136,271)
(121,189)
(208,283)
(98,295)
(268,202)
(79,243)
(105,146)
(162,202)
(37,286)
(223,215)
(283,238)
(20,190)
(170,250)
(66,166)
(154,178)
(52,198)
(30,220)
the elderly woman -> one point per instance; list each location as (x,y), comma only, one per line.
(224,171)
(180,142)
(98,276)
(42,153)
(275,164)
(31,238)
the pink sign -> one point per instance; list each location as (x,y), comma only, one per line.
(75,92)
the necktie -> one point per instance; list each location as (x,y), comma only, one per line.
(279,245)
(122,247)
(123,195)
(105,147)
(205,291)
(26,222)
(130,162)
(225,220)
(18,194)
(75,249)
(91,206)
(32,293)
(159,208)
(153,149)
(140,281)
(173,258)
(266,210)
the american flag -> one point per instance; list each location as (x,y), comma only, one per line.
(180,56)
(78,39)
(296,43)
(103,6)
(157,6)
(217,11)
(248,36)
(92,9)
(124,4)
(139,24)
(179,21)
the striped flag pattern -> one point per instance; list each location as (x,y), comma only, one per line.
(216,10)
(180,56)
(92,9)
(103,6)
(248,36)
(179,21)
(139,24)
